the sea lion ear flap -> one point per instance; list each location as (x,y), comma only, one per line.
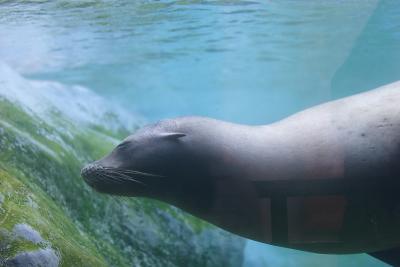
(172,135)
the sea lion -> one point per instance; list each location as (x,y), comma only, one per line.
(324,180)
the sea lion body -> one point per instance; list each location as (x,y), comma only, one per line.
(326,179)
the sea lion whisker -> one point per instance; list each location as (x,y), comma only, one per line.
(144,173)
(127,173)
(101,177)
(139,172)
(118,172)
(106,177)
(126,177)
(129,178)
(115,178)
(134,172)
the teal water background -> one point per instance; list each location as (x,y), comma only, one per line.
(249,62)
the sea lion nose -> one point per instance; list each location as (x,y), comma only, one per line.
(90,171)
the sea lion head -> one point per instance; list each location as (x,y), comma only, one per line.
(156,161)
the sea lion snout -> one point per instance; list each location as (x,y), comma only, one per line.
(90,172)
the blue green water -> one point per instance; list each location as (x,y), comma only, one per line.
(249,62)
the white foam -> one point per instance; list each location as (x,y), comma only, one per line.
(28,138)
(76,102)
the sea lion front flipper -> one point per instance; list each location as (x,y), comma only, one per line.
(389,256)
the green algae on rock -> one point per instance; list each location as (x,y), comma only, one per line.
(56,231)
(48,216)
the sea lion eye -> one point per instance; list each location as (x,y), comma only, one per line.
(172,135)
(123,144)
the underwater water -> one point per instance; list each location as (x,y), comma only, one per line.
(77,76)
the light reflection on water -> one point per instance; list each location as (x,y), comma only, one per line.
(244,61)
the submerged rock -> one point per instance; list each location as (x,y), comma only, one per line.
(26,232)
(38,258)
